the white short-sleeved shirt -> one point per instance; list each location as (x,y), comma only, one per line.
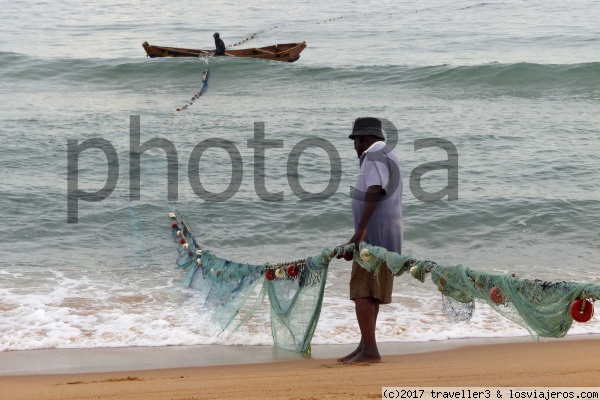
(380,166)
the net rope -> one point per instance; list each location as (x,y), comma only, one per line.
(254,35)
(203,87)
(233,291)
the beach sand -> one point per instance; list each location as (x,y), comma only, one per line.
(557,363)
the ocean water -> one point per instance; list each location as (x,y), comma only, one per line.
(513,85)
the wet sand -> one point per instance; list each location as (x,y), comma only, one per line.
(505,362)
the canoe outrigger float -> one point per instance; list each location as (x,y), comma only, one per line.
(289,52)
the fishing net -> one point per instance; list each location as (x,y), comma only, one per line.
(296,302)
(544,308)
(233,291)
(541,307)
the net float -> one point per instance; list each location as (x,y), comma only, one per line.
(280,273)
(582,310)
(292,270)
(348,255)
(414,270)
(496,296)
(365,255)
(270,274)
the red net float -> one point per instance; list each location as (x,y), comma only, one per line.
(270,274)
(496,296)
(174,224)
(441,283)
(182,240)
(348,255)
(292,270)
(582,310)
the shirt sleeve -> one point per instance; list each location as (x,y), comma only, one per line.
(377,173)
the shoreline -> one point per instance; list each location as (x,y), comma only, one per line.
(64,361)
(556,363)
(115,359)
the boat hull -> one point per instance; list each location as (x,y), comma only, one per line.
(288,52)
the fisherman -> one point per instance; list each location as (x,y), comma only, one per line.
(219,44)
(377,214)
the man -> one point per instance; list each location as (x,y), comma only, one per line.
(377,214)
(219,44)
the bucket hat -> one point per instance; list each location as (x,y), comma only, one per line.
(367,126)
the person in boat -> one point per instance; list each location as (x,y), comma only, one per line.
(377,215)
(219,44)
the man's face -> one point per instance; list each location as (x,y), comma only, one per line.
(358,146)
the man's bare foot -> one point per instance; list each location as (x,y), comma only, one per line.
(350,356)
(363,357)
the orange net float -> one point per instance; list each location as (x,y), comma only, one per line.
(582,310)
(270,274)
(496,296)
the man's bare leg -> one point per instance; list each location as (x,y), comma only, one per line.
(359,348)
(367,309)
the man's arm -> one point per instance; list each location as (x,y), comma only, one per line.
(372,197)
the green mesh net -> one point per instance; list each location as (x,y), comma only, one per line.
(296,304)
(233,291)
(544,308)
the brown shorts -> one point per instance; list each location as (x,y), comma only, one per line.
(366,284)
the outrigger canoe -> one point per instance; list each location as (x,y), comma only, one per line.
(289,52)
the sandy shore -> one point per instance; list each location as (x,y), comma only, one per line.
(557,363)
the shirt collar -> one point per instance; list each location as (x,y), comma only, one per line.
(375,146)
